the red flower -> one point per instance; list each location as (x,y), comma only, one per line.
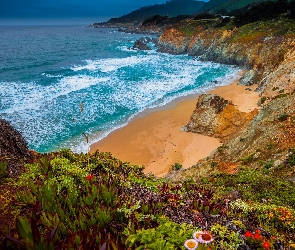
(248,234)
(89,177)
(266,245)
(257,236)
(258,231)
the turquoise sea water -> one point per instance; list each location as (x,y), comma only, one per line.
(60,82)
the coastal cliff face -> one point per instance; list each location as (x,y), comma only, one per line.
(215,116)
(260,138)
(13,147)
(173,41)
(258,47)
(267,140)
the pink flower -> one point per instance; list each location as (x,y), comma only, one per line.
(205,237)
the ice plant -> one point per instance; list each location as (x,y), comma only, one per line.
(257,240)
(191,244)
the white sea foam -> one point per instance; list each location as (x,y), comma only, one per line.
(108,87)
(108,65)
(30,96)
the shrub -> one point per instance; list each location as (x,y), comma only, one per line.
(291,158)
(176,166)
(283,117)
(3,168)
(168,235)
(263,99)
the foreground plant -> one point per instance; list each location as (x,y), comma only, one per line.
(258,241)
(191,244)
(200,241)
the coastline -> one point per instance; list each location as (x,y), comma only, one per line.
(153,138)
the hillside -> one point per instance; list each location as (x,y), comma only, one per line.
(224,6)
(170,8)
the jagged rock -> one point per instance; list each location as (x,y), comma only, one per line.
(172,41)
(12,143)
(215,116)
(264,58)
(141,44)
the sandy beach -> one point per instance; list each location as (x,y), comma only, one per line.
(154,139)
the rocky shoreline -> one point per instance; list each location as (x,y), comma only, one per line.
(267,134)
(265,56)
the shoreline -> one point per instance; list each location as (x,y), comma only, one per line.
(153,137)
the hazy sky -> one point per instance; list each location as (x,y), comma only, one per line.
(57,11)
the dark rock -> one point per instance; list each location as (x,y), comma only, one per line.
(12,143)
(141,44)
(13,147)
(279,246)
(215,116)
(244,247)
(155,41)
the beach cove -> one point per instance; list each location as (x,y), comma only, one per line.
(154,137)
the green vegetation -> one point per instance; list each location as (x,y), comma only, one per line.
(176,166)
(168,235)
(170,8)
(92,201)
(283,117)
(3,167)
(263,99)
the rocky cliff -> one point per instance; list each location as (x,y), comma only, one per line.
(261,139)
(13,147)
(264,48)
(215,116)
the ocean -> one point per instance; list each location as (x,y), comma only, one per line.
(70,86)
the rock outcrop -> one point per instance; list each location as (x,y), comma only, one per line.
(265,54)
(173,41)
(215,116)
(13,147)
(142,44)
(12,143)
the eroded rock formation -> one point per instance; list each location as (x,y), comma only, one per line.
(267,56)
(12,143)
(215,116)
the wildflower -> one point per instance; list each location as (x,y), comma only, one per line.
(266,245)
(257,236)
(89,177)
(197,235)
(248,234)
(205,238)
(191,244)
